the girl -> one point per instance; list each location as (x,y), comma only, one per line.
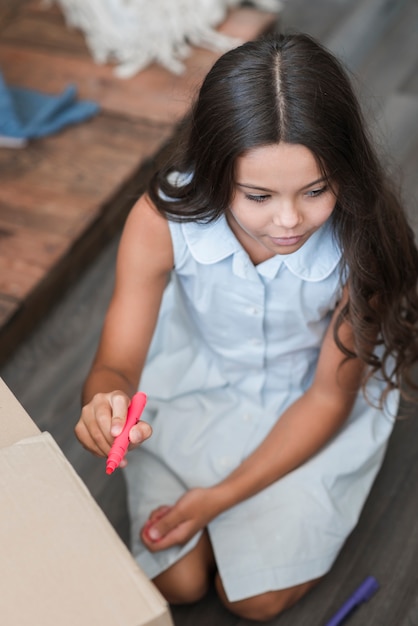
(279,344)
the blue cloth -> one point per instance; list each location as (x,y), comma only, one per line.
(28,114)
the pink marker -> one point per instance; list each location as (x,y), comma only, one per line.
(121,442)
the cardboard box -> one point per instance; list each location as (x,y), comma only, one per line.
(61,561)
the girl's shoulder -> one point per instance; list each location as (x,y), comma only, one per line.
(146,237)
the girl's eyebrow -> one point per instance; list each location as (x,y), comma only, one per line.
(315,182)
(256,187)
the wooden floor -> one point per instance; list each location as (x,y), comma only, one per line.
(62,197)
(378,40)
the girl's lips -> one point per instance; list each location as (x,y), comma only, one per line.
(286,241)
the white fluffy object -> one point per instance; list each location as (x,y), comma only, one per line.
(134,33)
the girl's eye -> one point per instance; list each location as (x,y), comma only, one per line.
(314,193)
(256,198)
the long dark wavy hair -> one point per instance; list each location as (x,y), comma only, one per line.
(290,88)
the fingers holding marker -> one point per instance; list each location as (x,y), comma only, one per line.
(93,427)
(88,442)
(119,404)
(105,418)
(139,433)
(122,440)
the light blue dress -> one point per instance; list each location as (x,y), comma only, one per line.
(235,345)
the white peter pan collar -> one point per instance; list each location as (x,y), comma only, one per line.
(314,261)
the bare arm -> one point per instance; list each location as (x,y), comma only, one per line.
(145,258)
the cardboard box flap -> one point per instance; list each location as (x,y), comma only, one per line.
(15,423)
(61,561)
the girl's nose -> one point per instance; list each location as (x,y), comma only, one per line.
(286,215)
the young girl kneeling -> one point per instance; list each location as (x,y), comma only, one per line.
(265,300)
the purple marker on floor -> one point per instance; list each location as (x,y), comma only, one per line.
(362,594)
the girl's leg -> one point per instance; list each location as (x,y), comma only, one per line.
(189,579)
(265,606)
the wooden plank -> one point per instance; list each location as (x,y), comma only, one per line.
(52,191)
(83,250)
(64,351)
(9,10)
(79,183)
(90,159)
(62,214)
(25,259)
(8,307)
(37,25)
(18,278)
(154,93)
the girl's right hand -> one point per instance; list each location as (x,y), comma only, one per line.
(103,418)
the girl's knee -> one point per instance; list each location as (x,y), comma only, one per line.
(180,586)
(188,580)
(265,606)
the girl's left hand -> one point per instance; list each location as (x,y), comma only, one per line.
(172,525)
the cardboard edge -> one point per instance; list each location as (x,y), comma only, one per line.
(21,426)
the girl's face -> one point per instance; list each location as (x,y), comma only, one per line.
(281,198)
